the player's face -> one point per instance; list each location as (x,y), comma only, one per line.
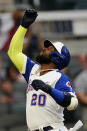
(43,57)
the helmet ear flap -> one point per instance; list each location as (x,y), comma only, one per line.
(60,60)
(57,58)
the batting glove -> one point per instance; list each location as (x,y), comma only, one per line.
(38,84)
(28,18)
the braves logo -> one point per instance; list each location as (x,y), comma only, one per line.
(68,84)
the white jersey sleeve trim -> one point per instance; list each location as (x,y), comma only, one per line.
(24,65)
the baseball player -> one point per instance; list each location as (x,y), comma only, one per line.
(49,90)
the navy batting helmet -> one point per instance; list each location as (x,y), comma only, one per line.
(61,56)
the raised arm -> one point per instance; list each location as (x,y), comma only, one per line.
(15,50)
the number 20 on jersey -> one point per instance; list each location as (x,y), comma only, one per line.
(39,100)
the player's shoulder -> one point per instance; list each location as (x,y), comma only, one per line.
(63,76)
(64,83)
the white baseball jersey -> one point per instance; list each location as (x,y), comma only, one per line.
(41,109)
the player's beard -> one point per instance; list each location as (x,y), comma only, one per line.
(43,59)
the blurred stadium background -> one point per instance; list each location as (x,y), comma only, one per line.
(62,20)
